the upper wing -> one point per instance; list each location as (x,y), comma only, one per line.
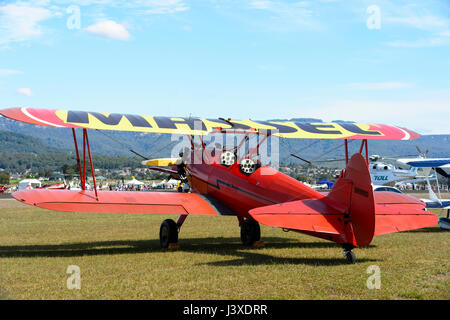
(201,126)
(118,202)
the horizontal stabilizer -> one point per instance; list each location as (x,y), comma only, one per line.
(304,215)
(397,219)
(351,213)
(117,202)
(399,212)
(397,199)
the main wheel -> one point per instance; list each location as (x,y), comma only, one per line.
(250,232)
(168,233)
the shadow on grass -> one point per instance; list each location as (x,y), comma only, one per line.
(221,246)
(428,230)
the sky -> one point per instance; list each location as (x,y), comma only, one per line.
(365,61)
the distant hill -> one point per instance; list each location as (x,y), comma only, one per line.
(40,139)
(438,146)
(102,142)
(13,142)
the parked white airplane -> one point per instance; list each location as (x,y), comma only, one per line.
(434,201)
(427,165)
(383,173)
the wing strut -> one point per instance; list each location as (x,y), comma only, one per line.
(83,173)
(90,160)
(364,144)
(78,158)
(346,151)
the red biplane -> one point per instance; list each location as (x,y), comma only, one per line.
(226,182)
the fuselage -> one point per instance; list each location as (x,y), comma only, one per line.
(242,192)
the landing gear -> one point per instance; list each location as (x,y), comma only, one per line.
(168,233)
(250,232)
(348,254)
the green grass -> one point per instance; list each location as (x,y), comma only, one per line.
(120,258)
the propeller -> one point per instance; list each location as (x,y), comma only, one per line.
(422,154)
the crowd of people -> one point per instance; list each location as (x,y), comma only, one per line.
(423,187)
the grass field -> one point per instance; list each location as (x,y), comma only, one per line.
(120,258)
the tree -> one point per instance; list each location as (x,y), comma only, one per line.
(4,178)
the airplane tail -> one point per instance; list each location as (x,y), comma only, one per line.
(346,215)
(351,214)
(353,193)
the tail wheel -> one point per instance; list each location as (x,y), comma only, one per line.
(168,233)
(350,257)
(250,232)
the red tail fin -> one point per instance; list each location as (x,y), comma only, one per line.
(346,215)
(353,193)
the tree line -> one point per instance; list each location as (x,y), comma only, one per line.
(49,162)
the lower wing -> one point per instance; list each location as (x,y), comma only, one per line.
(118,202)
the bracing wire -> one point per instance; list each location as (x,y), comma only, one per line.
(131,150)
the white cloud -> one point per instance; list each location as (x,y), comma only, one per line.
(285,16)
(162,6)
(427,22)
(421,43)
(261,5)
(144,6)
(21,21)
(25,92)
(9,72)
(424,17)
(24,20)
(109,29)
(379,85)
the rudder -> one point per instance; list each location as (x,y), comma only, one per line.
(353,193)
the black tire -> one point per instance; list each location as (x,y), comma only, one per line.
(350,257)
(168,233)
(250,232)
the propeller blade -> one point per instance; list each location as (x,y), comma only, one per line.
(295,156)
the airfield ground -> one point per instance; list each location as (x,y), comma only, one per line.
(120,258)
